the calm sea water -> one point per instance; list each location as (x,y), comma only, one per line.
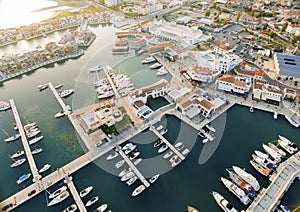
(190,183)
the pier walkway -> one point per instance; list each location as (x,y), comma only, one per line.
(167,143)
(269,198)
(106,69)
(59,99)
(76,197)
(133,168)
(34,171)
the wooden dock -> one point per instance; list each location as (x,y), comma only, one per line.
(34,171)
(167,143)
(112,84)
(59,99)
(76,197)
(133,168)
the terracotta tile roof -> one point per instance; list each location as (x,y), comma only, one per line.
(159,45)
(141,41)
(240,83)
(206,104)
(258,72)
(227,78)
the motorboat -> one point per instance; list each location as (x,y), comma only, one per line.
(238,192)
(37,151)
(18,162)
(71,208)
(131,180)
(284,208)
(101,208)
(155,65)
(66,93)
(275,115)
(30,125)
(59,114)
(12,138)
(138,190)
(45,168)
(247,177)
(241,183)
(163,148)
(128,148)
(205,140)
(210,127)
(127,176)
(137,161)
(272,152)
(148,60)
(262,170)
(95,68)
(85,191)
(31,129)
(191,209)
(263,162)
(124,171)
(4,105)
(208,135)
(275,148)
(163,131)
(17,154)
(251,109)
(185,151)
(57,192)
(168,154)
(59,198)
(287,145)
(160,127)
(154,178)
(292,121)
(23,178)
(31,134)
(35,140)
(223,203)
(162,71)
(176,162)
(179,146)
(42,86)
(119,163)
(157,143)
(173,159)
(265,156)
(134,155)
(201,134)
(92,201)
(58,86)
(106,95)
(112,156)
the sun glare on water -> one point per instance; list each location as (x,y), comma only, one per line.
(15,13)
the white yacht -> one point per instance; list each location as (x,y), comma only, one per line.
(66,93)
(287,145)
(154,178)
(95,68)
(272,152)
(176,162)
(292,121)
(42,86)
(101,208)
(59,198)
(58,86)
(131,180)
(23,178)
(71,208)
(57,192)
(247,177)
(137,161)
(35,140)
(265,156)
(275,115)
(37,151)
(210,127)
(168,154)
(59,114)
(238,192)
(138,190)
(18,162)
(17,154)
(162,71)
(112,156)
(4,105)
(148,60)
(85,191)
(207,134)
(124,171)
(45,168)
(155,65)
(119,163)
(12,138)
(276,149)
(127,176)
(92,201)
(223,203)
(163,148)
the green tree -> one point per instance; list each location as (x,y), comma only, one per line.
(284,26)
(295,38)
(214,5)
(207,12)
(272,34)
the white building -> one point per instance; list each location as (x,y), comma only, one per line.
(234,84)
(266,91)
(177,95)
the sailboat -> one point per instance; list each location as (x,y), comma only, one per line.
(11,138)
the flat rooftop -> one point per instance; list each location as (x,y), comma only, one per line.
(289,65)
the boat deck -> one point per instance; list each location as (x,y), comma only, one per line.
(112,84)
(32,165)
(76,197)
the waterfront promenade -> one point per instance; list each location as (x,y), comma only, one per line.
(34,171)
(269,198)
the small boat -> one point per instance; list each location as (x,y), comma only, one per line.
(168,154)
(4,105)
(42,86)
(154,178)
(173,159)
(66,93)
(185,151)
(59,114)
(12,138)
(148,60)
(155,65)
(275,148)
(17,154)
(275,115)
(207,134)
(59,198)
(176,162)
(127,176)
(205,140)
(112,156)
(18,162)
(134,155)
(263,162)
(23,178)
(164,132)
(137,161)
(287,145)
(292,121)
(58,86)
(160,127)
(71,208)
(101,208)
(272,152)
(157,143)
(251,109)
(57,192)
(179,146)
(31,134)
(191,209)
(138,190)
(124,171)
(238,192)
(129,147)
(85,191)
(45,168)
(119,163)
(223,203)
(30,125)
(163,148)
(265,156)
(162,71)
(208,126)
(95,68)
(284,208)
(131,180)
(37,151)
(259,168)
(92,201)
(247,177)
(35,140)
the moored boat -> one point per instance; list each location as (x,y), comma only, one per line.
(287,145)
(33,133)
(58,86)
(42,86)
(176,162)
(85,191)
(4,105)
(155,65)
(45,168)
(23,178)
(191,209)
(247,177)
(163,148)
(265,156)
(179,146)
(173,158)
(112,156)
(35,140)
(168,154)
(158,143)
(154,178)
(12,138)
(37,151)
(263,162)
(71,208)
(223,203)
(18,162)
(275,115)
(278,150)
(260,168)
(66,93)
(95,68)
(17,154)
(148,60)
(119,163)
(292,121)
(124,171)
(210,127)
(59,114)
(127,176)
(138,190)
(185,151)
(101,208)
(59,198)
(273,153)
(134,155)
(92,201)
(131,180)
(137,161)
(57,192)
(30,125)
